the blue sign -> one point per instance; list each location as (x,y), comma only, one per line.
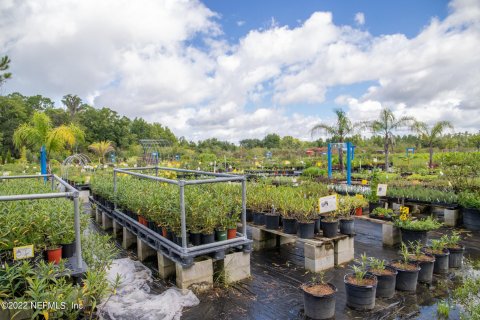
(177,157)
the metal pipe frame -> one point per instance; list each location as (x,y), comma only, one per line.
(220,177)
(71,194)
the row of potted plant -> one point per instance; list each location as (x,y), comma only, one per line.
(422,194)
(212,210)
(46,224)
(374,278)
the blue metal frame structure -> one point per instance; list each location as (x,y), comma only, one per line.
(350,156)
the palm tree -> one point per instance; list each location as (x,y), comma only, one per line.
(384,126)
(4,65)
(431,134)
(101,148)
(74,105)
(342,128)
(39,132)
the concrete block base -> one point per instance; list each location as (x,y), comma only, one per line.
(107,222)
(235,266)
(319,257)
(198,277)
(166,267)
(344,250)
(128,238)
(451,217)
(98,216)
(390,234)
(117,229)
(144,250)
(83,195)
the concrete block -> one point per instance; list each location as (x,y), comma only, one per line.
(265,244)
(166,267)
(236,266)
(128,238)
(319,257)
(144,250)
(451,217)
(83,195)
(390,234)
(107,222)
(396,206)
(344,250)
(98,216)
(117,229)
(199,276)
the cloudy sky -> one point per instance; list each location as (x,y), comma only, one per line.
(242,69)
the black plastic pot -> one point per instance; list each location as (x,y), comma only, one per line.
(306,230)
(196,238)
(170,235)
(320,307)
(259,218)
(249,215)
(290,226)
(372,206)
(68,250)
(411,236)
(317,225)
(347,226)
(425,275)
(151,225)
(272,221)
(360,297)
(441,262)
(455,259)
(208,238)
(471,218)
(329,228)
(386,283)
(407,279)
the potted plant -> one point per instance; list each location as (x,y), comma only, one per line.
(383,213)
(53,248)
(455,258)
(425,262)
(407,271)
(286,205)
(360,288)
(470,202)
(441,253)
(67,242)
(319,298)
(329,224)
(415,230)
(386,276)
(346,205)
(306,214)
(359,203)
(272,219)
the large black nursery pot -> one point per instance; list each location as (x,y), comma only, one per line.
(425,275)
(329,228)
(259,218)
(317,225)
(441,262)
(289,226)
(347,226)
(196,238)
(272,221)
(208,238)
(455,259)
(249,215)
(406,278)
(319,307)
(306,230)
(471,218)
(386,282)
(68,250)
(360,297)
(414,235)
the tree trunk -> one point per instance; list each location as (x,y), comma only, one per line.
(430,163)
(385,149)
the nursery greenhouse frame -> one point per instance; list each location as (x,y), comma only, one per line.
(186,253)
(76,264)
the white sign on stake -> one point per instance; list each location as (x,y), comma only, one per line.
(382,190)
(328,203)
(24,252)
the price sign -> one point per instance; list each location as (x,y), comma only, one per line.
(328,203)
(382,190)
(364,182)
(24,252)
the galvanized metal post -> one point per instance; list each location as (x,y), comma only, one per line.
(244,207)
(114,189)
(182,213)
(53,181)
(156,171)
(78,239)
(329,156)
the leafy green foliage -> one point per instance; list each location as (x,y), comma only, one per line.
(426,224)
